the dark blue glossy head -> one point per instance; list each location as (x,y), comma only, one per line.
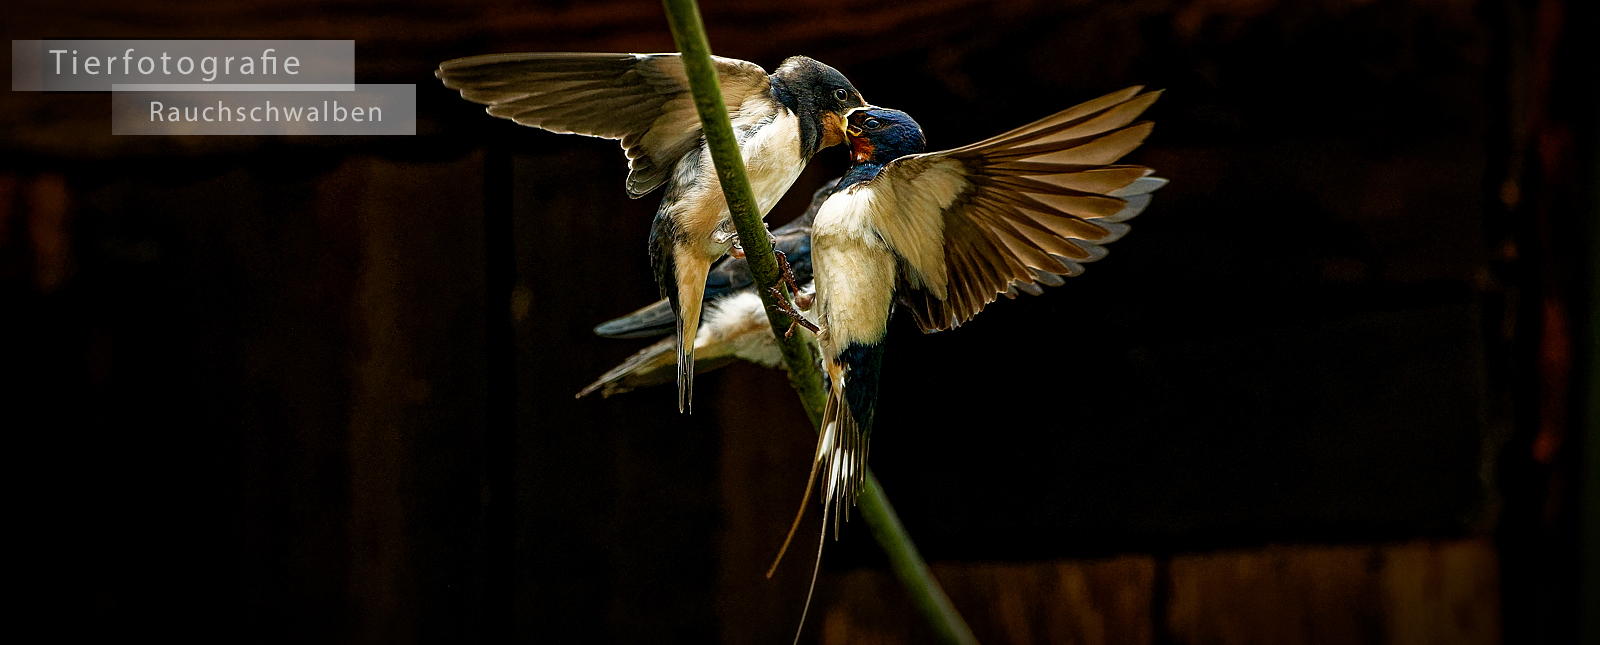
(880,135)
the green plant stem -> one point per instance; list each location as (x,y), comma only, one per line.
(907,564)
(689,34)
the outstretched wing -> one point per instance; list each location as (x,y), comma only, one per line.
(1015,211)
(642,99)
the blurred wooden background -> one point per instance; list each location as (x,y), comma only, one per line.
(1330,389)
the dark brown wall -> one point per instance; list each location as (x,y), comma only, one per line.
(321,389)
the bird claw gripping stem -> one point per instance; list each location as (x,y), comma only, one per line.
(727,235)
(786,277)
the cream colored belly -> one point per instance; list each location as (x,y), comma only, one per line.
(772,163)
(855,277)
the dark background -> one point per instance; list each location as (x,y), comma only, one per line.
(320,389)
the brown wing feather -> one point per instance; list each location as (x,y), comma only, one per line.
(641,99)
(1054,121)
(1023,208)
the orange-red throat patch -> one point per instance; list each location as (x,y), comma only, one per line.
(860,149)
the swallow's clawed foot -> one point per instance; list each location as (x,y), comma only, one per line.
(727,235)
(786,277)
(788,309)
(786,272)
(789,333)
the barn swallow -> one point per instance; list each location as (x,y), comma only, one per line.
(780,120)
(944,234)
(735,324)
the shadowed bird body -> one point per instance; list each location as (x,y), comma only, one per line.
(943,234)
(735,324)
(780,120)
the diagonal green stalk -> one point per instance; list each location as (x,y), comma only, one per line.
(904,559)
(907,564)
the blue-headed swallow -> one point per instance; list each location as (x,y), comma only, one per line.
(735,323)
(781,120)
(945,233)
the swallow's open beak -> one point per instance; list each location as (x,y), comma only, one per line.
(833,128)
(850,129)
(855,137)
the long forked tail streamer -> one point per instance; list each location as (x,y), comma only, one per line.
(815,569)
(811,481)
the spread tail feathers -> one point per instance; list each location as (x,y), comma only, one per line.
(840,457)
(843,455)
(847,423)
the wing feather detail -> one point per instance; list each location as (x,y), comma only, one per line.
(1014,213)
(641,99)
(1044,126)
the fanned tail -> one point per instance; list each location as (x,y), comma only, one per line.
(851,403)
(827,461)
(838,457)
(841,455)
(841,458)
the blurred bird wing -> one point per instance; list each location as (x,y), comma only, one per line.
(655,319)
(1013,212)
(641,99)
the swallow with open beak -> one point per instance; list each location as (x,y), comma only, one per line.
(735,324)
(944,234)
(780,119)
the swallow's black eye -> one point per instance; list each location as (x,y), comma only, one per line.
(841,94)
(871,123)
